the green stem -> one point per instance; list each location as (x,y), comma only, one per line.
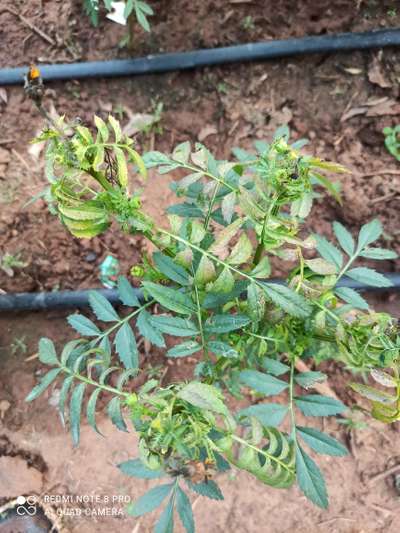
(96,384)
(261,246)
(291,405)
(125,319)
(208,174)
(200,321)
(262,452)
(212,202)
(327,311)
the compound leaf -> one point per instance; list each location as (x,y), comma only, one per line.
(149,501)
(75,408)
(184,508)
(46,380)
(260,382)
(321,442)
(125,344)
(102,308)
(203,396)
(310,479)
(47,352)
(318,405)
(83,325)
(135,468)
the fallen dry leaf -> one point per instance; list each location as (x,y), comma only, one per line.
(353,71)
(375,74)
(389,107)
(3,95)
(138,122)
(353,112)
(207,131)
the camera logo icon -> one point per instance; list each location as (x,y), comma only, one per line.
(26,505)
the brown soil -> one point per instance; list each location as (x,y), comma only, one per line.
(340,101)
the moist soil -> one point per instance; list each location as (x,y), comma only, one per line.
(341,102)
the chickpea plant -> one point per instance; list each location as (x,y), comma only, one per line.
(211,279)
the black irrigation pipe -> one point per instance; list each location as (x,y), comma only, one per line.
(150,64)
(31,301)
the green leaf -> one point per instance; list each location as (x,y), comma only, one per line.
(126,293)
(369,233)
(309,379)
(268,414)
(184,508)
(276,368)
(184,349)
(114,412)
(383,378)
(122,167)
(344,238)
(205,271)
(125,344)
(369,277)
(310,479)
(178,327)
(223,238)
(165,523)
(170,269)
(91,409)
(116,128)
(209,489)
(378,253)
(203,396)
(135,468)
(225,323)
(255,302)
(222,349)
(262,270)
(170,298)
(46,380)
(224,283)
(63,397)
(228,206)
(69,349)
(291,302)
(241,252)
(372,394)
(185,210)
(83,325)
(181,152)
(102,308)
(321,266)
(149,332)
(351,297)
(260,382)
(318,405)
(321,442)
(75,408)
(328,251)
(47,352)
(329,186)
(102,128)
(149,501)
(302,206)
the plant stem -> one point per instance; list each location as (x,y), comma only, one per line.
(125,319)
(262,452)
(200,321)
(96,384)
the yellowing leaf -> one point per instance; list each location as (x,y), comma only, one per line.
(241,251)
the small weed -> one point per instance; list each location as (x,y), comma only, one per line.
(248,23)
(8,262)
(392,141)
